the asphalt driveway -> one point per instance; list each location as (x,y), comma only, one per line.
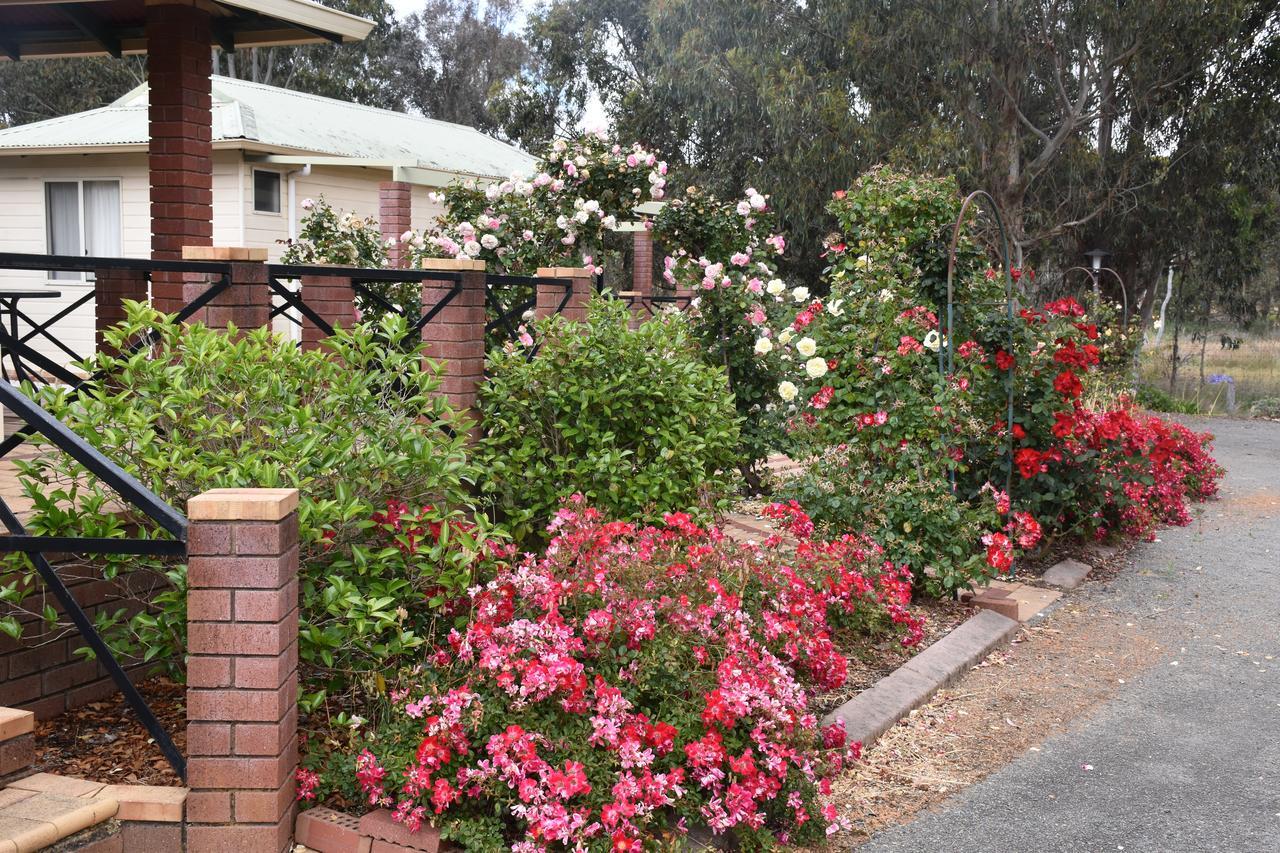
(1186,758)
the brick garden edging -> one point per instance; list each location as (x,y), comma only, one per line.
(877,709)
(325,830)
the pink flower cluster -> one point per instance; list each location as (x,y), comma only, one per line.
(634,679)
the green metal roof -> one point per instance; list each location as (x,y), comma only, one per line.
(270,119)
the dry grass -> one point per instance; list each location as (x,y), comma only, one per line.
(1255,367)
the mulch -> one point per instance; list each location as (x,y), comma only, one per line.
(106,742)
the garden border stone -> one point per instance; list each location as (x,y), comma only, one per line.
(877,709)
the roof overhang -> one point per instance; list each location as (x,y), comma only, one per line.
(45,29)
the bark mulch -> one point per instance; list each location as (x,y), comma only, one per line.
(106,742)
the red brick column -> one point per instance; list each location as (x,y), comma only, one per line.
(181,149)
(242,669)
(247,303)
(642,263)
(110,289)
(395,215)
(549,297)
(455,336)
(641,277)
(333,299)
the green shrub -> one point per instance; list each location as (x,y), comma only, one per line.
(632,419)
(352,427)
(1157,400)
(1267,407)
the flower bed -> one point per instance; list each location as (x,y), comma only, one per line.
(628,684)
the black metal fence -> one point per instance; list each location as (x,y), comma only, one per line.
(17,539)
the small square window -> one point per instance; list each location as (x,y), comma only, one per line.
(266,191)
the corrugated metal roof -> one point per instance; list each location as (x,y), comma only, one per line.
(293,121)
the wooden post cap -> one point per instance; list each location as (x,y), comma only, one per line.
(242,505)
(565,272)
(223,253)
(452,264)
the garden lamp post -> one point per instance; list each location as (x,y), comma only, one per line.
(1095,257)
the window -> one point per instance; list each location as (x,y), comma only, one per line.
(82,218)
(266,191)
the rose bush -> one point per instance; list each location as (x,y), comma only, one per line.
(727,254)
(630,684)
(581,189)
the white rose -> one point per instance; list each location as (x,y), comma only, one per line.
(489,241)
(775,287)
(816,368)
(764,346)
(610,222)
(785,336)
(743,208)
(581,216)
(591,206)
(471,247)
(757,201)
(787,391)
(800,294)
(836,308)
(806,347)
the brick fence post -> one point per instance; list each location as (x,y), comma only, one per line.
(242,669)
(333,299)
(455,336)
(180,152)
(111,288)
(247,303)
(395,215)
(641,276)
(549,298)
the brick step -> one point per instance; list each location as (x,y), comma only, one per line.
(63,814)
(1015,600)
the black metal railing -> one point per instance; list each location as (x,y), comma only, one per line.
(36,548)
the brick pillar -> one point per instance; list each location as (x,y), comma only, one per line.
(333,299)
(242,669)
(641,277)
(642,263)
(181,150)
(110,289)
(395,215)
(455,336)
(549,298)
(247,303)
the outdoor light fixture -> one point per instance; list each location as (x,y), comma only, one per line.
(1095,259)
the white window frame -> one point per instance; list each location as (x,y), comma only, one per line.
(48,242)
(253,192)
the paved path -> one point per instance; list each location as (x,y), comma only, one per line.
(1187,757)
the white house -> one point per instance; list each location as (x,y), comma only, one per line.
(78,185)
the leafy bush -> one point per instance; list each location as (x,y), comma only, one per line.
(629,684)
(1158,400)
(633,419)
(1267,407)
(347,426)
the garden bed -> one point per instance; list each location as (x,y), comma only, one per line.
(106,742)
